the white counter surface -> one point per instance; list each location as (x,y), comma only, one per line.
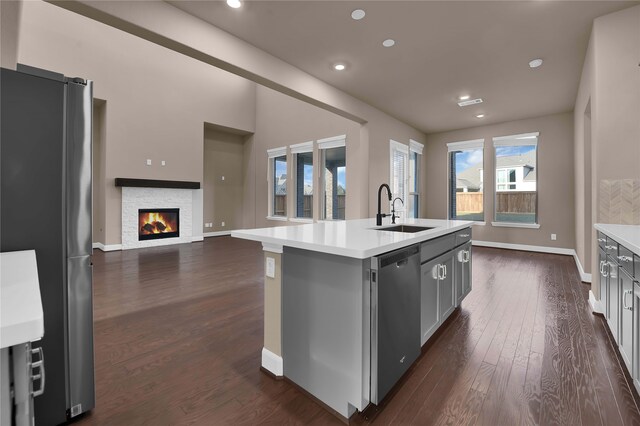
(350,238)
(627,235)
(21,318)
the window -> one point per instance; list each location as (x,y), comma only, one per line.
(333,183)
(466,181)
(303,170)
(405,177)
(415,154)
(516,197)
(277,182)
(399,177)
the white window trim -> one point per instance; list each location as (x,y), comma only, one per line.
(415,146)
(301,148)
(301,219)
(277,152)
(332,142)
(272,154)
(515,225)
(404,149)
(465,145)
(523,139)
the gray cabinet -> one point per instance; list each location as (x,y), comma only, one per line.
(604,281)
(635,369)
(446,289)
(613,297)
(462,275)
(625,332)
(429,315)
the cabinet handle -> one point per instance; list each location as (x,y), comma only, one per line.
(463,235)
(625,258)
(435,272)
(610,247)
(467,256)
(605,273)
(461,256)
(445,272)
(441,272)
(601,267)
(602,240)
(624,300)
(40,366)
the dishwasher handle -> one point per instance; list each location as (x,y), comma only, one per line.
(399,257)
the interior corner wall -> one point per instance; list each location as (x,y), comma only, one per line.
(555,179)
(611,79)
(282,120)
(10,11)
(158,99)
(98,179)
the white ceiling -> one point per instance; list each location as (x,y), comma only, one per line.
(443,49)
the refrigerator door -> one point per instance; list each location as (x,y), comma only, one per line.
(78,170)
(31,211)
(80,332)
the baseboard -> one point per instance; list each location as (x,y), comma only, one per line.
(271,362)
(107,247)
(216,234)
(525,247)
(540,249)
(197,238)
(596,306)
(586,278)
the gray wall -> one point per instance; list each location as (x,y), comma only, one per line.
(555,179)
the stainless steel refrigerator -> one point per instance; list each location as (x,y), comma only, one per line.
(45,204)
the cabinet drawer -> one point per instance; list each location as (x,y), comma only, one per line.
(463,236)
(625,259)
(612,249)
(436,247)
(602,240)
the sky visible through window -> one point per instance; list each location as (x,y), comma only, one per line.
(507,151)
(281,167)
(341,177)
(308,174)
(473,157)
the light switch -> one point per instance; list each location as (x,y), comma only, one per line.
(148,161)
(553,237)
(222,223)
(164,163)
(271,267)
(222,177)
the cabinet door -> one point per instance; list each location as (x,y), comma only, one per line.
(446,289)
(429,300)
(466,271)
(626,316)
(604,282)
(458,275)
(635,373)
(613,298)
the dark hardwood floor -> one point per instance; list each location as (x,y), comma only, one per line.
(178,339)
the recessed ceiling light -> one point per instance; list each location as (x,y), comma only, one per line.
(480,116)
(339,67)
(357,14)
(535,63)
(234,3)
(388,42)
(464,97)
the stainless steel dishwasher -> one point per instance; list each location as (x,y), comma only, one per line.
(395,317)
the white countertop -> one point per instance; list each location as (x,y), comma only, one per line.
(21,317)
(351,238)
(627,235)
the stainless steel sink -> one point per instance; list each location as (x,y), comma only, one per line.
(405,228)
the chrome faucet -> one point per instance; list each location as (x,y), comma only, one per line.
(380,215)
(393,209)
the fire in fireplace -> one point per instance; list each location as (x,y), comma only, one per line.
(158,223)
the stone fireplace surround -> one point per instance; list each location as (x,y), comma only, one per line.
(151,194)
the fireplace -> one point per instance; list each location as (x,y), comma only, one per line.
(158,223)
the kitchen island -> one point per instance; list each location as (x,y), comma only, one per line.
(348,304)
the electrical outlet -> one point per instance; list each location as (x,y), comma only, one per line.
(148,161)
(554,237)
(164,163)
(270,267)
(222,223)
(222,177)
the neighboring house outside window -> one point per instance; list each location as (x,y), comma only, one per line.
(303,179)
(466,181)
(332,177)
(516,197)
(277,183)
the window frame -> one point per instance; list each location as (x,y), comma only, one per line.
(522,139)
(272,155)
(415,153)
(301,148)
(324,144)
(403,149)
(468,145)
